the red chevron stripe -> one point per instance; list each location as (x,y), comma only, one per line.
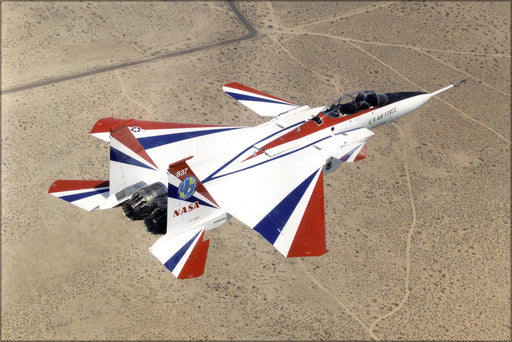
(362,154)
(242,87)
(125,137)
(310,237)
(194,266)
(182,170)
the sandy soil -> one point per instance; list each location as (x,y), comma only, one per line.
(418,233)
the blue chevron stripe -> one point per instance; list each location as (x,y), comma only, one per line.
(243,97)
(175,259)
(118,156)
(76,197)
(159,140)
(173,192)
(212,176)
(271,225)
(346,156)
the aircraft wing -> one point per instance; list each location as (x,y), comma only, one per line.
(282,197)
(260,102)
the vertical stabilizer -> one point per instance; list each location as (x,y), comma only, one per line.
(189,203)
(131,167)
(191,210)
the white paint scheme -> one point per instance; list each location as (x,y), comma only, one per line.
(285,239)
(243,181)
(293,116)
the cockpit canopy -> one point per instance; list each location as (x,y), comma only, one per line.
(355,102)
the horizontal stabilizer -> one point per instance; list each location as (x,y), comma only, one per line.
(183,254)
(86,194)
(260,102)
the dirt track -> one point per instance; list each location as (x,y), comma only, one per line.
(418,233)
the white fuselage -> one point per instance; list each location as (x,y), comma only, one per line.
(320,126)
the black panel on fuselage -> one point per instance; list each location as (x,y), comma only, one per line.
(395,97)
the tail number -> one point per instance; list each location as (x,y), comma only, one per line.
(182,173)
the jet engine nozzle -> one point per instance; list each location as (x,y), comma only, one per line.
(157,222)
(143,202)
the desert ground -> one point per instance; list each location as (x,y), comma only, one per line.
(418,233)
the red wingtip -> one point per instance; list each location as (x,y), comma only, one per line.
(106,124)
(310,237)
(194,266)
(66,185)
(362,154)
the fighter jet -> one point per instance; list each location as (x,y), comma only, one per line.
(183,179)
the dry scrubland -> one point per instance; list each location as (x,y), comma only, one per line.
(418,233)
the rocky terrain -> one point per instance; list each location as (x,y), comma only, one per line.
(418,233)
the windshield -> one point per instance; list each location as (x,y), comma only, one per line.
(355,102)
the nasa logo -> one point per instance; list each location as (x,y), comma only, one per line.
(187,187)
(187,209)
